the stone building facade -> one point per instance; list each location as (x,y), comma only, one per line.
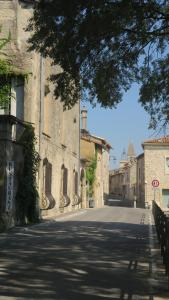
(123,180)
(116,183)
(91,148)
(156,167)
(57,131)
(140,173)
(129,190)
(141,184)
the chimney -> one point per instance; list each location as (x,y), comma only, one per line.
(84,118)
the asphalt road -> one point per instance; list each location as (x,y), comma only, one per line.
(94,254)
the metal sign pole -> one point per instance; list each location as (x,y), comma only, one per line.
(154,194)
(155,184)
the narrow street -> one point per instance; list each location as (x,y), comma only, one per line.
(93,254)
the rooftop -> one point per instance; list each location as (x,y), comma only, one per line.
(162,140)
(95,139)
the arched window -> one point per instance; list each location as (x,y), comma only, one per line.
(47,176)
(75,173)
(64,199)
(76,197)
(64,180)
(48,201)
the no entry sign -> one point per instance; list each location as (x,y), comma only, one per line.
(155,183)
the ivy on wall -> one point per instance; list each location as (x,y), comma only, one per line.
(7,71)
(91,175)
(27,196)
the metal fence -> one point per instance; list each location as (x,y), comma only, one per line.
(161,219)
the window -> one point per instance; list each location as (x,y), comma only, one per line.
(12,96)
(48,178)
(64,180)
(5,95)
(48,200)
(166,165)
(75,182)
(64,198)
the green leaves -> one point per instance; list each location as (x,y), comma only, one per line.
(154,92)
(5,84)
(102,47)
(7,71)
(5,92)
(5,81)
(90,174)
(27,195)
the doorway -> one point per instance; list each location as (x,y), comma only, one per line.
(165,198)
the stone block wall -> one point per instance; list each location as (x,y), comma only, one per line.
(11,163)
(57,131)
(155,169)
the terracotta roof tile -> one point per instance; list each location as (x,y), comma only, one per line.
(162,140)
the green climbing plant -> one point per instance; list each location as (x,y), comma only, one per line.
(7,72)
(27,195)
(91,175)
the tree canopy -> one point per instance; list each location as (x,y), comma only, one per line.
(103,46)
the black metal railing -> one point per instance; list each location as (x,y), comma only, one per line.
(11,128)
(161,219)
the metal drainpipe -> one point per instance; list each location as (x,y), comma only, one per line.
(41,117)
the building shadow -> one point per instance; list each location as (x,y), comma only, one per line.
(76,260)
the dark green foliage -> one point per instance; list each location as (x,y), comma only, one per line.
(5,82)
(7,71)
(103,46)
(5,92)
(27,195)
(91,175)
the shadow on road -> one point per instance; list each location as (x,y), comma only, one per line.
(119,202)
(76,260)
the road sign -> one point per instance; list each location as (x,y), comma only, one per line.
(155,183)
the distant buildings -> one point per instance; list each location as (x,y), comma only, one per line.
(94,153)
(123,180)
(146,177)
(156,168)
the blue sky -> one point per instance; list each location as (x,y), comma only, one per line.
(127,123)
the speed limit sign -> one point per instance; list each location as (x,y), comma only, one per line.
(155,183)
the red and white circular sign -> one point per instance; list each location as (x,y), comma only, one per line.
(155,183)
